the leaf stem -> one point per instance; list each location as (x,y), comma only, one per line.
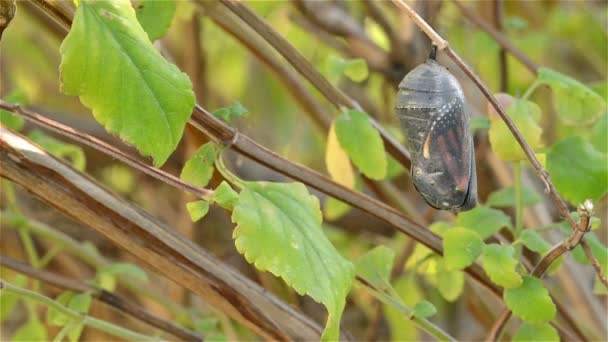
(531,90)
(519,207)
(231,177)
(86,320)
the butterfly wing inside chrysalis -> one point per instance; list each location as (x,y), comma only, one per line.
(430,105)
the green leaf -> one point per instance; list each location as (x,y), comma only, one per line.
(80,302)
(528,332)
(109,62)
(530,301)
(155,16)
(461,247)
(576,104)
(375,266)
(119,177)
(424,309)
(105,281)
(505,197)
(32,330)
(483,220)
(499,263)
(279,230)
(534,242)
(9,119)
(197,209)
(394,169)
(124,268)
(525,115)
(403,329)
(362,142)
(199,168)
(578,170)
(599,134)
(449,283)
(354,69)
(479,123)
(235,111)
(333,209)
(73,153)
(8,301)
(225,196)
(337,161)
(56,318)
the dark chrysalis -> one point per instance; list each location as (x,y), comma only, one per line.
(430,106)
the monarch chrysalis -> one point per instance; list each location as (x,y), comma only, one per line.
(430,106)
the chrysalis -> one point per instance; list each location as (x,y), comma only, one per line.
(430,106)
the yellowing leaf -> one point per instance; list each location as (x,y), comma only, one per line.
(337,161)
(109,62)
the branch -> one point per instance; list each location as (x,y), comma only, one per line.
(105,148)
(558,250)
(152,243)
(499,9)
(120,303)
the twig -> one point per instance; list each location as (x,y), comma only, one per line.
(499,9)
(500,38)
(105,148)
(585,210)
(159,247)
(118,302)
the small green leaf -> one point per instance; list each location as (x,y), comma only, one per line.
(461,247)
(505,197)
(199,168)
(32,330)
(449,283)
(279,230)
(424,309)
(8,301)
(155,16)
(375,266)
(483,220)
(599,134)
(499,263)
(124,268)
(119,177)
(354,69)
(530,301)
(578,170)
(56,318)
(105,281)
(333,209)
(362,142)
(109,62)
(9,119)
(534,242)
(410,293)
(75,332)
(80,302)
(73,153)
(235,111)
(529,332)
(525,115)
(479,123)
(225,196)
(576,104)
(197,209)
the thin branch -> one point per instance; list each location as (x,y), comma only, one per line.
(105,148)
(155,245)
(118,302)
(499,9)
(333,94)
(500,38)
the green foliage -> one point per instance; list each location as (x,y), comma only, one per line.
(32,330)
(8,119)
(197,209)
(534,242)
(109,62)
(354,69)
(578,170)
(424,309)
(410,293)
(450,283)
(279,230)
(529,332)
(575,103)
(199,168)
(362,142)
(225,196)
(479,123)
(375,266)
(155,16)
(483,220)
(525,115)
(8,301)
(337,161)
(73,153)
(79,302)
(505,197)
(106,275)
(499,263)
(119,177)
(333,209)
(530,301)
(599,134)
(461,247)
(235,111)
